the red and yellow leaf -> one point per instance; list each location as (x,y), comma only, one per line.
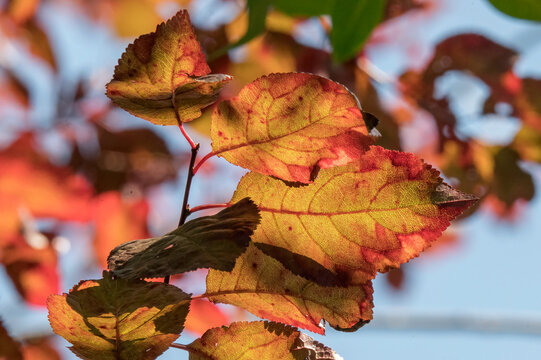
(355,220)
(261,340)
(165,72)
(289,125)
(264,287)
(119,319)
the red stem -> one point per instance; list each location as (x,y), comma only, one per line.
(205,158)
(208,206)
(188,138)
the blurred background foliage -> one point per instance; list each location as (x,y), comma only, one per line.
(78,177)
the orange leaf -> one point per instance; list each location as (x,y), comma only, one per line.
(33,271)
(289,125)
(40,349)
(54,191)
(163,75)
(9,348)
(204,315)
(22,10)
(118,220)
(355,220)
(261,285)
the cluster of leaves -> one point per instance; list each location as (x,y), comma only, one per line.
(320,214)
(120,169)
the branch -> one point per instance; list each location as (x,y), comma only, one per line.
(492,323)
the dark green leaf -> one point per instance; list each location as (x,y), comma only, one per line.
(206,242)
(353,21)
(522,9)
(305,7)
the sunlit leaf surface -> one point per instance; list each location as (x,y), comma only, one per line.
(264,287)
(355,220)
(165,72)
(258,340)
(119,319)
(289,125)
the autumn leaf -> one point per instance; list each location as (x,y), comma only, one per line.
(204,315)
(33,271)
(261,340)
(40,349)
(119,319)
(118,219)
(207,242)
(355,220)
(289,125)
(9,348)
(163,77)
(261,285)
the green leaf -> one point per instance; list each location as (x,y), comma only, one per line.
(257,14)
(260,340)
(165,72)
(206,242)
(352,23)
(305,7)
(119,319)
(522,9)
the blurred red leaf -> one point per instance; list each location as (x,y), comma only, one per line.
(39,349)
(118,219)
(204,315)
(32,270)
(9,348)
(54,192)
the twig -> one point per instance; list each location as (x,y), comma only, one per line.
(205,158)
(208,206)
(190,350)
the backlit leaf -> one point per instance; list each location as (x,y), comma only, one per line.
(289,125)
(206,242)
(352,23)
(119,319)
(163,72)
(261,285)
(261,340)
(355,220)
